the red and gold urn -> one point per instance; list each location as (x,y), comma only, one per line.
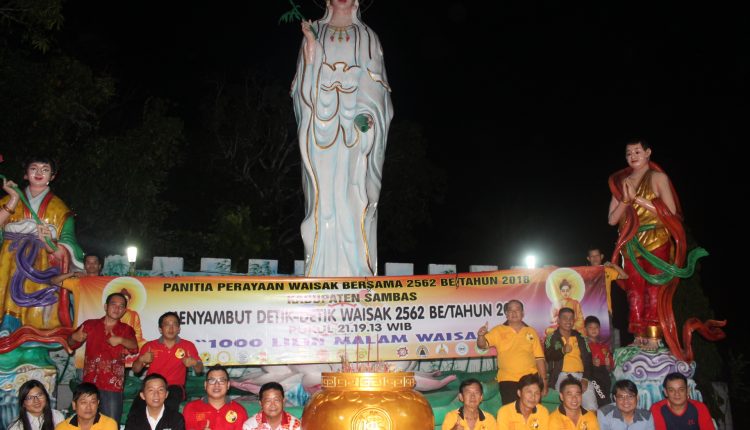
(368,401)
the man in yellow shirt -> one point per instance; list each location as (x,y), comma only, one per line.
(526,412)
(568,353)
(519,351)
(86,408)
(571,415)
(469,416)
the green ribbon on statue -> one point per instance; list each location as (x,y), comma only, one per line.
(22,195)
(669,271)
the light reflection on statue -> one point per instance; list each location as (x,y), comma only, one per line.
(343,109)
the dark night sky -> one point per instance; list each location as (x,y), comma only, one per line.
(526,104)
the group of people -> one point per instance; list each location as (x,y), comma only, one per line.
(98,400)
(675,412)
(578,366)
(213,412)
(564,352)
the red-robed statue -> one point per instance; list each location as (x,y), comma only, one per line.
(652,243)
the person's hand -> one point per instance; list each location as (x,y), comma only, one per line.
(597,362)
(483,330)
(568,347)
(545,389)
(628,191)
(584,384)
(309,48)
(208,425)
(59,253)
(189,361)
(147,357)
(79,335)
(114,340)
(307,31)
(8,186)
(43,232)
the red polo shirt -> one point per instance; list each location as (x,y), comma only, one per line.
(168,361)
(231,416)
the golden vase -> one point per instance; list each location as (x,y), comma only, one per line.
(368,401)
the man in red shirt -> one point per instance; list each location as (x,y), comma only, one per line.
(108,342)
(215,411)
(677,411)
(169,356)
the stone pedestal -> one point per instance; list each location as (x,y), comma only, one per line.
(648,369)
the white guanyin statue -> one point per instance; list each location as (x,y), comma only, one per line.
(343,108)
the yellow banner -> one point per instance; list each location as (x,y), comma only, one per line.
(284,320)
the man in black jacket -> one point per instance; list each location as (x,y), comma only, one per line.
(157,416)
(568,353)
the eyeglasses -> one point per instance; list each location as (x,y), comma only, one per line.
(43,170)
(214,381)
(35,397)
(625,397)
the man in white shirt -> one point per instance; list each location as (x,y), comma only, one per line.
(158,416)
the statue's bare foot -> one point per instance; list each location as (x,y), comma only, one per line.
(650,345)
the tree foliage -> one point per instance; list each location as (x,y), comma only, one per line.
(33,21)
(123,204)
(252,163)
(110,176)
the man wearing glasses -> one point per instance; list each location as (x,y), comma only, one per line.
(623,413)
(215,411)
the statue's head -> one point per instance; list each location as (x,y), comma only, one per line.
(342,6)
(637,153)
(39,170)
